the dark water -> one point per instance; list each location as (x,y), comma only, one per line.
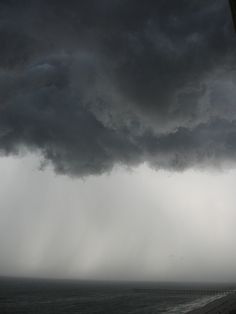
(25,296)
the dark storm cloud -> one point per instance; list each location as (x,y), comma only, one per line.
(94,83)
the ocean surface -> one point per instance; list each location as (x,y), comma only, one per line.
(33,296)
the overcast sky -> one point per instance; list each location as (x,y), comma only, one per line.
(139,224)
(117,139)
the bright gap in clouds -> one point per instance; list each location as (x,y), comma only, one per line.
(139,224)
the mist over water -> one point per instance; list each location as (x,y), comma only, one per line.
(138,224)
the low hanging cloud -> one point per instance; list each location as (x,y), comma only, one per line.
(91,84)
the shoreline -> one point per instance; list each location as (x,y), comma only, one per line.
(224,305)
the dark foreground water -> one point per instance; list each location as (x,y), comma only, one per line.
(26,296)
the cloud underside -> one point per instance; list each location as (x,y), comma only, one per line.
(91,84)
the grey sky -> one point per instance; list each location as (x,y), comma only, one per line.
(98,83)
(140,224)
(129,109)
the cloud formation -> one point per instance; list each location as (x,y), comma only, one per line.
(91,84)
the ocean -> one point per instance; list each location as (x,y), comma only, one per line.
(56,297)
